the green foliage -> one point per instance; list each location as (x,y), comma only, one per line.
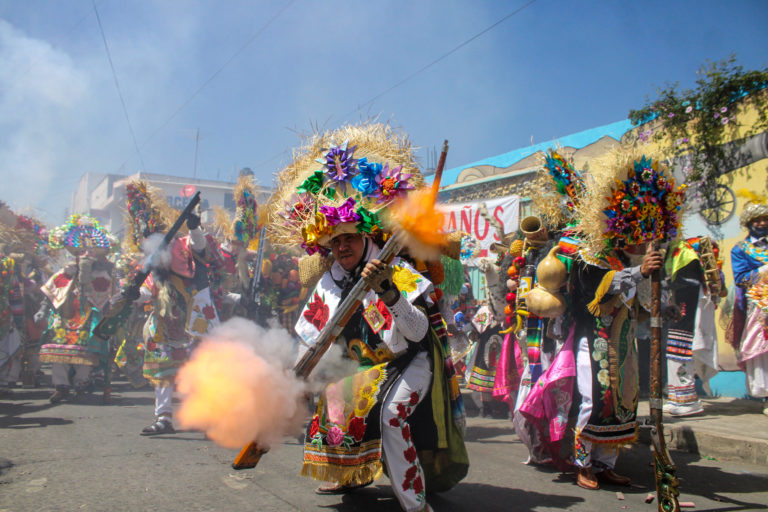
(697,121)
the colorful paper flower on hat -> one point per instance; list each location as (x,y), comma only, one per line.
(365,180)
(392,183)
(339,163)
(370,222)
(340,214)
(312,234)
(643,207)
(314,184)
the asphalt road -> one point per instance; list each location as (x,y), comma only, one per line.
(90,457)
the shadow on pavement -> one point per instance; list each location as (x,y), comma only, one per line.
(465,496)
(16,422)
(697,476)
(481,434)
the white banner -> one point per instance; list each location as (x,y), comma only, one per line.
(466,217)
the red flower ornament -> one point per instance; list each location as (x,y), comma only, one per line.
(314,427)
(317,312)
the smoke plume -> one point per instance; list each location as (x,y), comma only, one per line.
(238,387)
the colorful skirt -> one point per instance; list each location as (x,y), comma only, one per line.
(484,361)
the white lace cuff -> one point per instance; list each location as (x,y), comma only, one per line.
(409,320)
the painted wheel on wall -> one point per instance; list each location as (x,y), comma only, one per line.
(718,206)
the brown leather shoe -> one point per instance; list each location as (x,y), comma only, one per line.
(586,479)
(611,477)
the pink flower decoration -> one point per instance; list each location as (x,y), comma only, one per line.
(344,213)
(335,436)
(392,183)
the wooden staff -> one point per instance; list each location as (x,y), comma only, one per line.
(439,171)
(664,468)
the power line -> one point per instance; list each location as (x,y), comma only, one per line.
(419,71)
(443,56)
(212,77)
(117,85)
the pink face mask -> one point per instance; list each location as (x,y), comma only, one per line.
(181,258)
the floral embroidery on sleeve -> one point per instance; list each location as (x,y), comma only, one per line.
(405,280)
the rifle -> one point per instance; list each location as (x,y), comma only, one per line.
(121,308)
(664,468)
(251,453)
(253,285)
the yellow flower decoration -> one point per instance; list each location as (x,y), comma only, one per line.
(313,232)
(60,333)
(405,280)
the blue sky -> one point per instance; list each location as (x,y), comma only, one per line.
(555,68)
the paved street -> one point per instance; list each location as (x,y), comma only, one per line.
(89,457)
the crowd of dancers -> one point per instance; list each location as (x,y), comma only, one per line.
(555,345)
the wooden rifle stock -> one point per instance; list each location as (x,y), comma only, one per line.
(664,468)
(251,453)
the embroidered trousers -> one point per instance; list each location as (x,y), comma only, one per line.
(589,454)
(399,452)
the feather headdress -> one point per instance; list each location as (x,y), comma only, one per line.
(340,181)
(82,233)
(21,233)
(560,187)
(628,200)
(147,213)
(245,226)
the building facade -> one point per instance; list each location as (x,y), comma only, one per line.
(103,195)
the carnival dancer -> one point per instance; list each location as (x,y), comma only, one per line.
(484,357)
(11,342)
(628,203)
(21,250)
(396,411)
(537,304)
(693,271)
(182,306)
(749,261)
(231,280)
(78,296)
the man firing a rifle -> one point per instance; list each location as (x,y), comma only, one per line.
(397,408)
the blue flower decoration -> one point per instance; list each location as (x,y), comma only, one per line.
(365,180)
